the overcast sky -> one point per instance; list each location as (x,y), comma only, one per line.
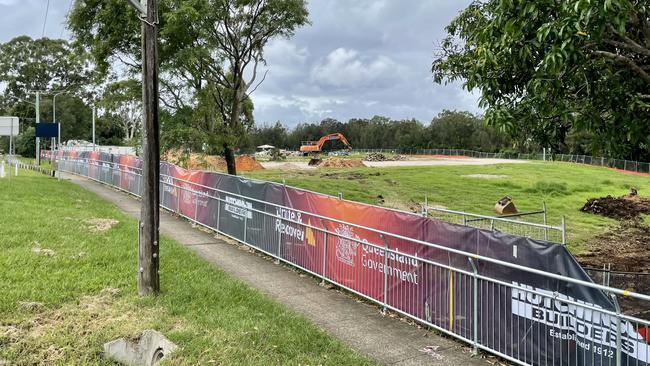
(357,59)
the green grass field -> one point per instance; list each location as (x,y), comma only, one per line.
(563,186)
(68,286)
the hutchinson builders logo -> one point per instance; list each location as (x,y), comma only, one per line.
(346,249)
(593,331)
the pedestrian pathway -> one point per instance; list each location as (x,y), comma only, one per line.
(384,339)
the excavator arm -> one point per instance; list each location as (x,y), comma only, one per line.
(317,146)
(331,137)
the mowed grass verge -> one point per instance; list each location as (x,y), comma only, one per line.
(564,187)
(67,285)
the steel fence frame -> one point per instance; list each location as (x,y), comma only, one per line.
(477,332)
(556,234)
(622,164)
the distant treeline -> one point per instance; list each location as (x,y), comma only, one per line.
(450,129)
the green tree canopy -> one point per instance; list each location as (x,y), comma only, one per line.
(209,55)
(44,64)
(545,68)
(122,102)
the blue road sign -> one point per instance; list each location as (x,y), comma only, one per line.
(47,130)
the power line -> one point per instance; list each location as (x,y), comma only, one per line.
(67,14)
(47,10)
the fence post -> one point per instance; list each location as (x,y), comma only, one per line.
(277,260)
(245,225)
(475,307)
(425,207)
(162,190)
(218,211)
(178,200)
(322,281)
(196,207)
(545,222)
(618,336)
(563,231)
(385,273)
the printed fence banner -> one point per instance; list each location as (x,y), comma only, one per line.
(530,317)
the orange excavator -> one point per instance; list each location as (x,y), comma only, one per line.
(316,147)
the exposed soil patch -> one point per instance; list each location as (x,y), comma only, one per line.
(9,333)
(289,166)
(349,176)
(30,305)
(341,163)
(620,208)
(42,251)
(100,225)
(625,247)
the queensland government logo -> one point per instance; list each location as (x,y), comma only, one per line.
(346,249)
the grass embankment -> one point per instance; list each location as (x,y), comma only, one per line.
(563,186)
(67,279)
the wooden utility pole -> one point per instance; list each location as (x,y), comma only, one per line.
(148,243)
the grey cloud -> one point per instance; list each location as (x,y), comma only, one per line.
(357,59)
(25,17)
(363,58)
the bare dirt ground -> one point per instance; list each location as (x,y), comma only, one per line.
(411,161)
(623,248)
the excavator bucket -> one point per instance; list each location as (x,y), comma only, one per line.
(505,206)
(314,161)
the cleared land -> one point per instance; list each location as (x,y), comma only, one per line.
(67,279)
(565,187)
(301,164)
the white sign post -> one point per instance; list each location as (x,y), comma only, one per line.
(10,126)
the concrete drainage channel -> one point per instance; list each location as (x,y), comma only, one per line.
(149,349)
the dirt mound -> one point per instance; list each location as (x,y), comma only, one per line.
(383,157)
(375,157)
(620,208)
(247,163)
(341,163)
(194,161)
(314,162)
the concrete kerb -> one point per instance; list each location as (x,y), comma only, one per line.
(358,324)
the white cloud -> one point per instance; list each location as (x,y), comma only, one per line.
(282,51)
(347,68)
(309,107)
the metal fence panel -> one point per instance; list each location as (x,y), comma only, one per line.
(550,319)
